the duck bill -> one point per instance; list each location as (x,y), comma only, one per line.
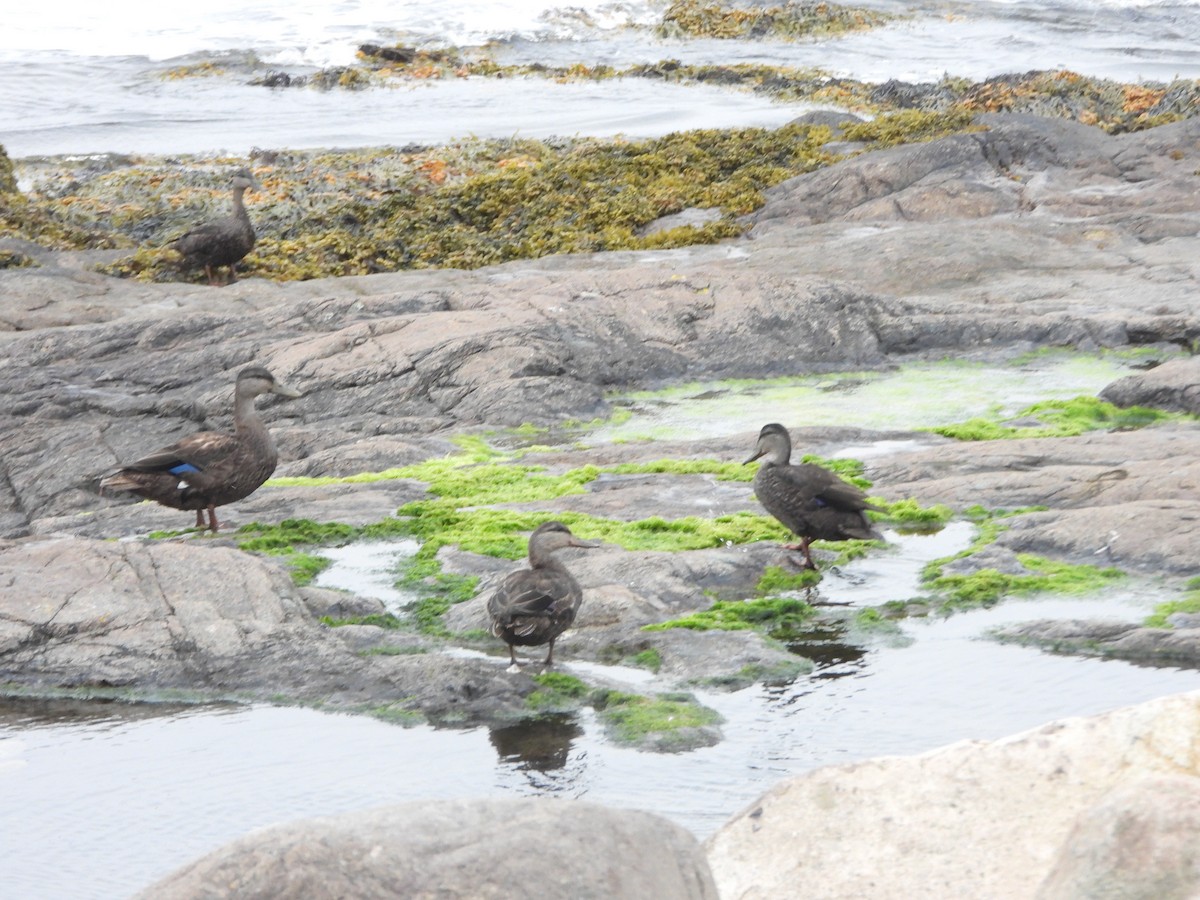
(579,542)
(284,391)
(757,453)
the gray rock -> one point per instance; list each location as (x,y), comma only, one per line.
(209,621)
(1141,841)
(978,818)
(1175,386)
(526,848)
(1119,640)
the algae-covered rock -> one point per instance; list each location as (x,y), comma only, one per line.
(8,179)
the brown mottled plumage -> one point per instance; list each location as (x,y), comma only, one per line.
(210,468)
(221,242)
(811,501)
(534,606)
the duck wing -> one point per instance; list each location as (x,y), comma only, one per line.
(810,483)
(200,238)
(535,596)
(190,457)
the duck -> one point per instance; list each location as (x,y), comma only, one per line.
(812,502)
(210,468)
(534,606)
(222,242)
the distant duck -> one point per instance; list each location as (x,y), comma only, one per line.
(222,242)
(210,468)
(811,501)
(534,606)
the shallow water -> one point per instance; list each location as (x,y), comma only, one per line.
(918,395)
(89,79)
(97,800)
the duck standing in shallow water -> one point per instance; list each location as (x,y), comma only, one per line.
(534,606)
(222,242)
(210,468)
(811,501)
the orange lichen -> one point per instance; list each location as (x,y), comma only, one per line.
(1139,99)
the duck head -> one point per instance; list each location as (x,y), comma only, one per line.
(775,444)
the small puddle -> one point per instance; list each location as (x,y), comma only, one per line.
(369,569)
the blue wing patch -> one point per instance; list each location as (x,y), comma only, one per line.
(183,469)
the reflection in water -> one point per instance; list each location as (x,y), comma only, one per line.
(31,713)
(540,745)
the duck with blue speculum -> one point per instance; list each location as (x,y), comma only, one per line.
(812,502)
(534,606)
(210,468)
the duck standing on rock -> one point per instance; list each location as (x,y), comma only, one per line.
(210,468)
(222,242)
(811,501)
(534,606)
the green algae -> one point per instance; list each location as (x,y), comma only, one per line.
(557,693)
(986,587)
(724,471)
(778,617)
(1188,603)
(649,658)
(665,722)
(776,580)
(286,535)
(378,620)
(910,517)
(1060,418)
(394,650)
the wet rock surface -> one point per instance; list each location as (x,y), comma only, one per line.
(1031,234)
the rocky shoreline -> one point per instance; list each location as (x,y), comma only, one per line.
(1027,235)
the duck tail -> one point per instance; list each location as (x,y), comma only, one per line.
(119,480)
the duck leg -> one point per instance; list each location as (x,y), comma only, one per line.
(213,524)
(803,548)
(550,655)
(514,666)
(199,518)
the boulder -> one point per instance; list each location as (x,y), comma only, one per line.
(975,819)
(1141,841)
(447,849)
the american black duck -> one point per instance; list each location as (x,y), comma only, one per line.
(221,242)
(811,501)
(210,468)
(534,606)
